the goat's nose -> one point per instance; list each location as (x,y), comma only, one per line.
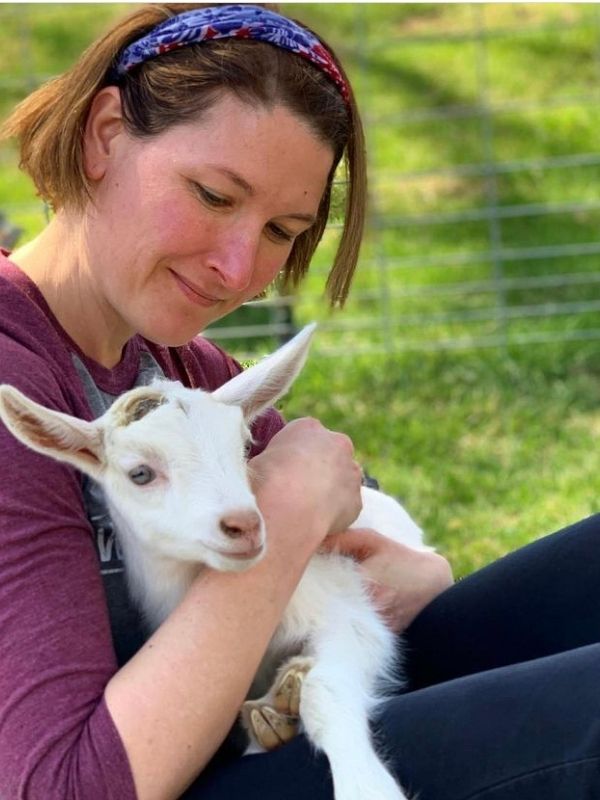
(242,523)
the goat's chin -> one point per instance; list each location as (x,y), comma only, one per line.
(216,557)
(233,562)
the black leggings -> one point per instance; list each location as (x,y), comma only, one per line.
(503,696)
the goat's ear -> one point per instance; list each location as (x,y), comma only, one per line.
(52,433)
(261,385)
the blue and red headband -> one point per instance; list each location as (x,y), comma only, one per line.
(232,22)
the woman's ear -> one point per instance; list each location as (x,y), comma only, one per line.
(104,122)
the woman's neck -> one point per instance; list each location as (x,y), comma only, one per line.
(59,263)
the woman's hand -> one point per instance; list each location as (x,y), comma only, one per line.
(402,580)
(308,472)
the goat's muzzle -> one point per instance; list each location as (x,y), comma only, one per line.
(238,524)
(244,527)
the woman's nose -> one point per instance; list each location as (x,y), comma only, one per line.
(235,261)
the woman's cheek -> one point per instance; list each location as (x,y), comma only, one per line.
(273,262)
(180,228)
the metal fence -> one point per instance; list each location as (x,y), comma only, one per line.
(491,237)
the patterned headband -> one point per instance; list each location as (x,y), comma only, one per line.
(232,22)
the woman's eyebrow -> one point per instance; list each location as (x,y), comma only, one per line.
(301,217)
(233,176)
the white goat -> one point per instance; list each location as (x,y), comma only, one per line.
(171,461)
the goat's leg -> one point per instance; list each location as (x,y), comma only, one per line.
(273,720)
(338,694)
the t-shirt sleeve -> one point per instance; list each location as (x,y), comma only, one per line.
(57,739)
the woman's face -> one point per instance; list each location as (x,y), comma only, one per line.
(187,225)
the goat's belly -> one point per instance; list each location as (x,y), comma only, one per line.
(330,588)
(329,582)
(330,611)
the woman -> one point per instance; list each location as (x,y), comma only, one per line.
(187,167)
(182,184)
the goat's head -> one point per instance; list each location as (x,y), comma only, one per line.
(172,460)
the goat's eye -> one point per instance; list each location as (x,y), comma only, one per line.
(142,474)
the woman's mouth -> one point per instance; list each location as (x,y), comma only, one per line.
(194,294)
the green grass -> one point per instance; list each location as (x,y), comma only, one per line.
(487,447)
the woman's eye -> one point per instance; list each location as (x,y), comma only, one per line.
(142,474)
(212,199)
(279,233)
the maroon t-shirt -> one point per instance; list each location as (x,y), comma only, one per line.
(66,620)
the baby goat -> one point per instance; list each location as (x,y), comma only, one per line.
(171,461)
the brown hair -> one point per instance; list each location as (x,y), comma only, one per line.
(178,86)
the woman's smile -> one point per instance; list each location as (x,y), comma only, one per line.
(193,293)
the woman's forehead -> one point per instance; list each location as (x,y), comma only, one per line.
(251,148)
(231,122)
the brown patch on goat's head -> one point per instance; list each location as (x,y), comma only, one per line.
(137,406)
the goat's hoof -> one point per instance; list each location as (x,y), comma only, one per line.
(273,720)
(268,727)
(288,686)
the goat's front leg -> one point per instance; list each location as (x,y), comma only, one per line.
(339,693)
(274,719)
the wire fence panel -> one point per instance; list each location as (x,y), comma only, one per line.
(484,211)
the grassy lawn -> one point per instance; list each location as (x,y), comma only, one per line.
(488,447)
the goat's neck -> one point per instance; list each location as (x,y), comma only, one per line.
(157,583)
